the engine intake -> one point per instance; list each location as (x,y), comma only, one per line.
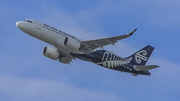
(72,43)
(50,53)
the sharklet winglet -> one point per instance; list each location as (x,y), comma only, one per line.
(131,33)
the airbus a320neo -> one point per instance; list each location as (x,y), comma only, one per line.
(69,48)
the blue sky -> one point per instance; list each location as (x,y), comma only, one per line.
(25,74)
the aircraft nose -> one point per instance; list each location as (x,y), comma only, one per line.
(19,24)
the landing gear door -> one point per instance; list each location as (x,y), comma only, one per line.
(38,26)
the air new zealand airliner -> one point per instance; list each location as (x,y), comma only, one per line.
(68,48)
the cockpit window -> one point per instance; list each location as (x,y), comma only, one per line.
(28,21)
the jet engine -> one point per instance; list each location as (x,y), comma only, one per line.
(72,43)
(50,53)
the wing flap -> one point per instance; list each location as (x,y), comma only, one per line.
(145,68)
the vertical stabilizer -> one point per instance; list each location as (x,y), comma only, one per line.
(142,56)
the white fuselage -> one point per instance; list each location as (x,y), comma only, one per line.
(47,34)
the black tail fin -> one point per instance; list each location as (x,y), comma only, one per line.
(142,56)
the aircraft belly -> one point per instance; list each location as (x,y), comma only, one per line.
(119,68)
(111,65)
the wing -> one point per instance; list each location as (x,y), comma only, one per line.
(65,58)
(90,45)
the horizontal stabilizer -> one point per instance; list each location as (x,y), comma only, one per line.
(145,68)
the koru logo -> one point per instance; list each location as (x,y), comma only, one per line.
(141,55)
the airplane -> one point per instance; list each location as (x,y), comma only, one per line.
(68,48)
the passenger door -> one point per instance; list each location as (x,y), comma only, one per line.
(38,25)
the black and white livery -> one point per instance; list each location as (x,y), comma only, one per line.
(69,48)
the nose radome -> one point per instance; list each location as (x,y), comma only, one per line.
(19,24)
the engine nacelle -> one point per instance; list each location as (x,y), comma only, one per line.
(50,53)
(72,43)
